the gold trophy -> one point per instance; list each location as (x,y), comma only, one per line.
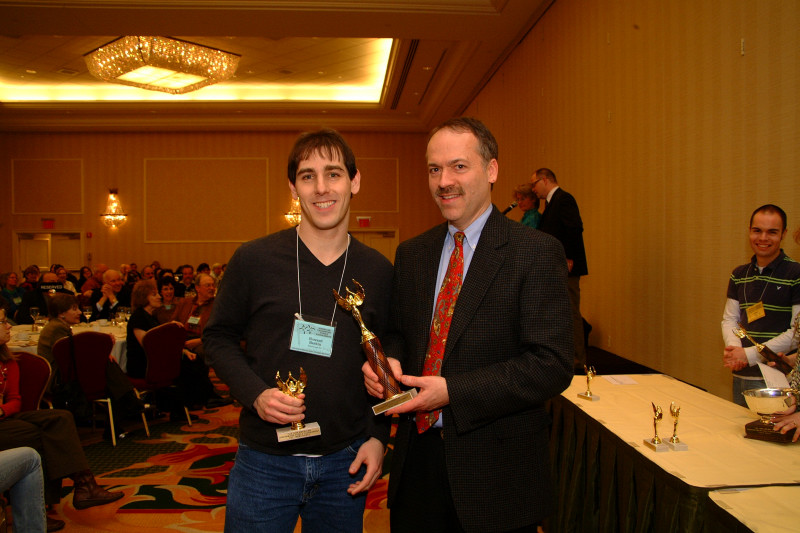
(768,354)
(590,374)
(392,394)
(656,443)
(765,403)
(293,387)
(674,442)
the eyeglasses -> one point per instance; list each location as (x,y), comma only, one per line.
(535,182)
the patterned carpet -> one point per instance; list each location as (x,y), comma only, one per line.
(176,480)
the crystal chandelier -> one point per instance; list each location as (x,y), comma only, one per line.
(294,215)
(114,216)
(160,64)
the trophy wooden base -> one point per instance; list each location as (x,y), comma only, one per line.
(660,447)
(588,396)
(311,429)
(394,401)
(759,430)
(678,446)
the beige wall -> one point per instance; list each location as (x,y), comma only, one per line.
(394,179)
(668,137)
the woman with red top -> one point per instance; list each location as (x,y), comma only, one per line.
(51,432)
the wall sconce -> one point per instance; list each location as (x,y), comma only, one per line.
(294,216)
(114,216)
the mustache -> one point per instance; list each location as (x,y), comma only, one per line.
(446,191)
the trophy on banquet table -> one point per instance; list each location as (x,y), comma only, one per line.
(656,443)
(392,394)
(768,354)
(590,374)
(766,403)
(292,387)
(674,442)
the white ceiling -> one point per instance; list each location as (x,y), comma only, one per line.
(443,52)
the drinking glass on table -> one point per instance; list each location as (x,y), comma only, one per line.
(87,312)
(34,312)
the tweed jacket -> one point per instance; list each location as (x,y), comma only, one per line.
(508,351)
(562,220)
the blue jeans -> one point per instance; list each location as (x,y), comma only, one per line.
(21,472)
(268,492)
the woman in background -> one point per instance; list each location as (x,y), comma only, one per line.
(166,288)
(528,202)
(11,291)
(84,276)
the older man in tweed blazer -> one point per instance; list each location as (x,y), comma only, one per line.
(484,467)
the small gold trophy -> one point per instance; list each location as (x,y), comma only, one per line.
(392,394)
(674,442)
(590,374)
(656,443)
(293,387)
(768,354)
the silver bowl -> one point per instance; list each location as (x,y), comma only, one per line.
(766,402)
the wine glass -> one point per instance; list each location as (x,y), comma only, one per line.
(87,312)
(34,312)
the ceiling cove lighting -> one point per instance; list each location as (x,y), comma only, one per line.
(161,64)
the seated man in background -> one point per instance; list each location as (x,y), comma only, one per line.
(194,313)
(38,298)
(109,297)
(187,280)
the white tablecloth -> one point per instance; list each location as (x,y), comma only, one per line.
(119,351)
(762,509)
(713,428)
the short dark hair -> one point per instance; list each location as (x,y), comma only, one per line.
(546,173)
(59,303)
(326,142)
(165,280)
(769,208)
(487,144)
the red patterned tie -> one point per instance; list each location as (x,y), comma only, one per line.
(445,303)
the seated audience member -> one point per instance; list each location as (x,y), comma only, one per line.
(21,475)
(51,432)
(110,296)
(95,282)
(54,268)
(31,275)
(216,272)
(63,278)
(83,276)
(166,288)
(133,278)
(38,298)
(148,272)
(11,291)
(145,300)
(187,281)
(64,313)
(203,268)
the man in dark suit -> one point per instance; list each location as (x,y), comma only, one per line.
(483,465)
(562,220)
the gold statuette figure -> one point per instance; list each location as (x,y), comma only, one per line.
(768,354)
(656,443)
(392,394)
(293,387)
(590,374)
(674,442)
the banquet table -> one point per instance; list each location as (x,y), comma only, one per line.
(762,509)
(119,351)
(607,480)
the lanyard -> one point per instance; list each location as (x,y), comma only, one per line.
(297,260)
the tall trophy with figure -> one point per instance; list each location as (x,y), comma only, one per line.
(392,394)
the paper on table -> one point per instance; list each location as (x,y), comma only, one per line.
(774,378)
(620,380)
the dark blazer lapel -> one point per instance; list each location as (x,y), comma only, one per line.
(486,262)
(426,290)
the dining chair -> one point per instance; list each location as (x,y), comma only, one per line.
(163,348)
(34,377)
(86,360)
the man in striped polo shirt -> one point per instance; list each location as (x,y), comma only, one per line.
(764,297)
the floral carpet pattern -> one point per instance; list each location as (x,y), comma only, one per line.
(176,480)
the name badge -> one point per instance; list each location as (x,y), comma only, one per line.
(17,300)
(315,338)
(193,320)
(755,311)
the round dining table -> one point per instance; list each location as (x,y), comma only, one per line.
(24,339)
